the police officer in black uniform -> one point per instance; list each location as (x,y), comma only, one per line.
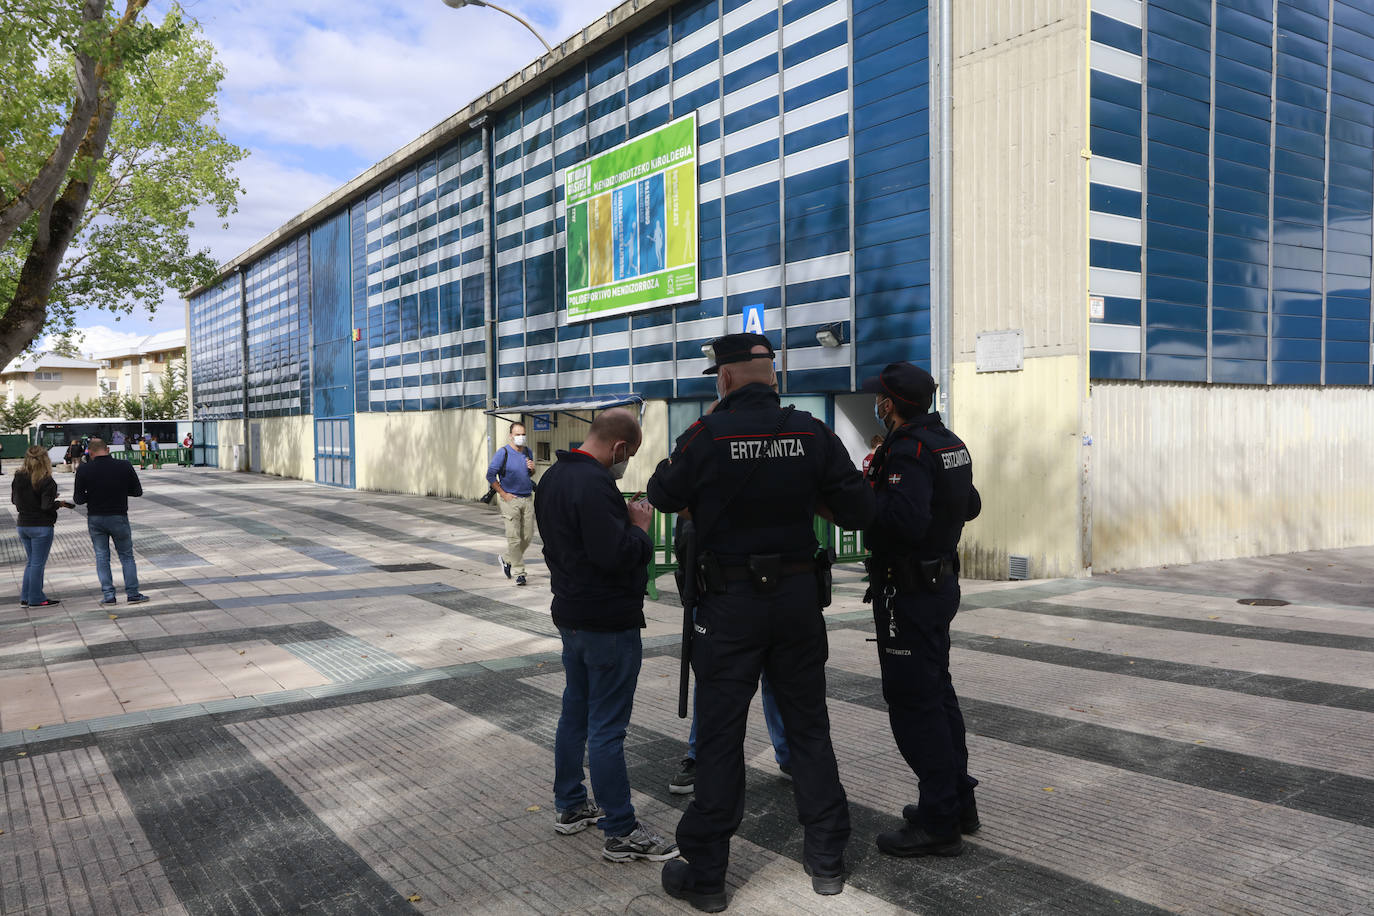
(923,477)
(753,475)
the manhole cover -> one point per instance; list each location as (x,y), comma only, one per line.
(1263,602)
(406,567)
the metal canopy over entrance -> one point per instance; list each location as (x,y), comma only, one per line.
(572,408)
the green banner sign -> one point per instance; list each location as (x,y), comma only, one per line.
(631,226)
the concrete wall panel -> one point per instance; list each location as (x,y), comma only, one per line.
(1026,451)
(1183,473)
(1020,186)
(288,446)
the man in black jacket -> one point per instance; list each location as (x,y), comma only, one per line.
(923,477)
(104,485)
(597,549)
(754,475)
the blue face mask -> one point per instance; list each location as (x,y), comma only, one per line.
(878,416)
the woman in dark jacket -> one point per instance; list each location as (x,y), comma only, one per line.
(34,494)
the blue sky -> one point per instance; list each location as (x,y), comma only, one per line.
(319,90)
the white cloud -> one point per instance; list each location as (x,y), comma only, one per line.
(273,192)
(366,77)
(98,339)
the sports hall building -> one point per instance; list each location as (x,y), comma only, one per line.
(1131,238)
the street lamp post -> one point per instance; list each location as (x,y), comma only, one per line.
(459,4)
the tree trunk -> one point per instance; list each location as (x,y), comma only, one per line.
(23,320)
(28,309)
(45,185)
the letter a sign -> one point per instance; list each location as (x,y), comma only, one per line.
(753,319)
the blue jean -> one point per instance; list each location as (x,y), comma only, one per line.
(37,541)
(602,671)
(771,717)
(103,529)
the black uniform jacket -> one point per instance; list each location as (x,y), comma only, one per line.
(803,467)
(923,477)
(598,561)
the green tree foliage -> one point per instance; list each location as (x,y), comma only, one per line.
(65,345)
(20,413)
(124,112)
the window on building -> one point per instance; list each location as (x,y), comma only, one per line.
(47,376)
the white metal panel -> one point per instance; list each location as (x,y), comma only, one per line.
(1187,472)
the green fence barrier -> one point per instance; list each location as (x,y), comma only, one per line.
(849,545)
(15,445)
(177,456)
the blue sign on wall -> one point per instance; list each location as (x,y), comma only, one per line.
(753,319)
(541,422)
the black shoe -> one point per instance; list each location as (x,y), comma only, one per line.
(785,771)
(505,567)
(49,603)
(23,604)
(968,817)
(825,885)
(912,840)
(685,782)
(520,580)
(108,601)
(676,874)
(135,599)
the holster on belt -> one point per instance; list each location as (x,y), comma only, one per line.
(908,574)
(764,571)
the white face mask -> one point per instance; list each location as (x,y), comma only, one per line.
(618,467)
(519,440)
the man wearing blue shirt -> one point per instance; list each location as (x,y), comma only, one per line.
(511,472)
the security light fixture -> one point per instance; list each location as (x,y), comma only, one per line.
(831,335)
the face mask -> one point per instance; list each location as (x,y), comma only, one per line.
(720,393)
(877,413)
(519,440)
(618,468)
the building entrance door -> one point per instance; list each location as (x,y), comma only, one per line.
(255,448)
(334,452)
(205,451)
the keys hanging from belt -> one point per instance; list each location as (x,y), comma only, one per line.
(888,593)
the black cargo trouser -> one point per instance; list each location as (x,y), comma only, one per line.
(783,635)
(927,723)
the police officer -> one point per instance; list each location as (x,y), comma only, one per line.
(753,475)
(923,477)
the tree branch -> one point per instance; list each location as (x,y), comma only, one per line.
(43,188)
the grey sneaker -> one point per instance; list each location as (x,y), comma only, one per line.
(685,782)
(639,843)
(575,820)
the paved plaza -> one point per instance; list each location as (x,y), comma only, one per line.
(336,703)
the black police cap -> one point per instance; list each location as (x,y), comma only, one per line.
(735,348)
(903,382)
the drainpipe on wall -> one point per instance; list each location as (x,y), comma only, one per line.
(489,272)
(243,339)
(942,342)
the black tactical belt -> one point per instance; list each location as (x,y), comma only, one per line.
(742,574)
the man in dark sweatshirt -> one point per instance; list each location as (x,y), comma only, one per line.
(597,549)
(104,485)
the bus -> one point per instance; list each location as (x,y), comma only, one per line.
(118,432)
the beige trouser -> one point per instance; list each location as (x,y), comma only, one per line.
(518,514)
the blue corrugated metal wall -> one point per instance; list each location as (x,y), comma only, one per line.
(1233,190)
